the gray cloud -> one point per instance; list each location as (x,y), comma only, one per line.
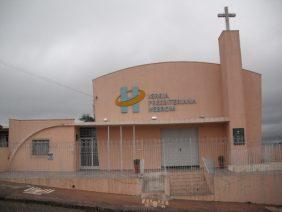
(73,42)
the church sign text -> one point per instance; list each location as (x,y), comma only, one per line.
(161,102)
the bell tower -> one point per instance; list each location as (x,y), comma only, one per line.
(233,89)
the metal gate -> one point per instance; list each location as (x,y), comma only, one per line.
(180,147)
(88,149)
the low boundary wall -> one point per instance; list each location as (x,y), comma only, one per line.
(254,187)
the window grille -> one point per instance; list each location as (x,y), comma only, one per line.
(40,147)
(238,136)
(87,132)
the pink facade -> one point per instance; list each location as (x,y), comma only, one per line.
(180,80)
(220,92)
(61,135)
(213,99)
(213,108)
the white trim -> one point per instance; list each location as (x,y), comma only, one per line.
(157,122)
(134,142)
(120,143)
(108,149)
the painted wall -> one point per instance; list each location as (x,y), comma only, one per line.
(253,108)
(220,90)
(62,145)
(264,188)
(180,80)
(21,129)
(66,155)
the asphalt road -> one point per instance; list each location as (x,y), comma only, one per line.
(12,198)
(8,206)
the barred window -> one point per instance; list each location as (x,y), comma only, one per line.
(3,139)
(87,132)
(238,136)
(40,147)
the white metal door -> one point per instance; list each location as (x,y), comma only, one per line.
(88,148)
(180,147)
(88,153)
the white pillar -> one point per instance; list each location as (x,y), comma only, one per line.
(120,145)
(108,148)
(163,143)
(133,142)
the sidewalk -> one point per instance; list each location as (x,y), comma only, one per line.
(87,200)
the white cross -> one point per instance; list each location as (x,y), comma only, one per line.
(226,15)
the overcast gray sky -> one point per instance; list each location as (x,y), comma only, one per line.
(73,42)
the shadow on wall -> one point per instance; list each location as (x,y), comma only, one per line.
(4,153)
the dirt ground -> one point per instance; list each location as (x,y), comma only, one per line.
(93,201)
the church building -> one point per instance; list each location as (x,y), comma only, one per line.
(182,104)
(159,117)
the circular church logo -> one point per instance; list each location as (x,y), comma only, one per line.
(126,102)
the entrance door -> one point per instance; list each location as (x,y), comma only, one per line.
(180,147)
(88,149)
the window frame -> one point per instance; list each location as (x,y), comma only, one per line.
(238,136)
(40,152)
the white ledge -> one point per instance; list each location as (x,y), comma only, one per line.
(156,122)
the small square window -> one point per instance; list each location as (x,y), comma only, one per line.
(238,136)
(40,147)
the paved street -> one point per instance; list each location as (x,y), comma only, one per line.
(12,198)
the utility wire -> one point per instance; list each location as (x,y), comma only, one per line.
(18,69)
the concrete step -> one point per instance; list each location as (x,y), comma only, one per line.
(195,191)
(186,175)
(188,183)
(189,190)
(187,178)
(198,197)
(190,187)
(179,192)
